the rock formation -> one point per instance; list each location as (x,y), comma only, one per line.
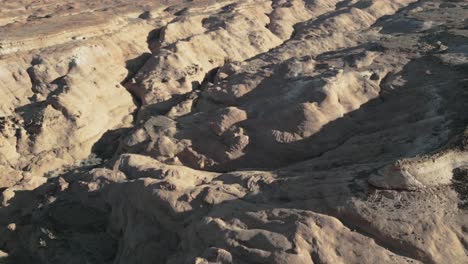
(281,131)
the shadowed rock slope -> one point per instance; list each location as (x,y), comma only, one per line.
(283,131)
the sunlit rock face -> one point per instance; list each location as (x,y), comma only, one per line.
(283,131)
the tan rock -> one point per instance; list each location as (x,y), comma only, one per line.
(279,131)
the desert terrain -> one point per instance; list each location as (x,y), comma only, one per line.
(248,131)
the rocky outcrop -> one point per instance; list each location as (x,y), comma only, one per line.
(426,171)
(233,131)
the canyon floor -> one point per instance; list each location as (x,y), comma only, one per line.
(248,131)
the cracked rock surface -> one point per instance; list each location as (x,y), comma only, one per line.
(282,131)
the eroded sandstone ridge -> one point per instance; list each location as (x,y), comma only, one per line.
(249,131)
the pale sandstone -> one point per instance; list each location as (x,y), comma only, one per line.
(233,131)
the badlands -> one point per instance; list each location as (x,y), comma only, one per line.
(247,131)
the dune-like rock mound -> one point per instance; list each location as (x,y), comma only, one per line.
(280,131)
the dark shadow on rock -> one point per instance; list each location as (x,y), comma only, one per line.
(107,145)
(209,77)
(460,185)
(154,39)
(395,107)
(31,114)
(381,21)
(161,108)
(62,231)
(134,65)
